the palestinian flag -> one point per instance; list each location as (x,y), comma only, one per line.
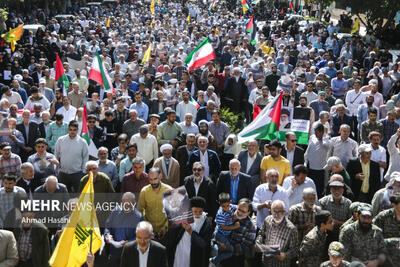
(99,74)
(299,124)
(266,125)
(200,55)
(245,6)
(85,135)
(251,27)
(60,75)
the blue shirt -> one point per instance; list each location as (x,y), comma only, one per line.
(225,218)
(122,226)
(336,85)
(17,145)
(21,91)
(111,170)
(330,72)
(142,110)
(234,189)
(134,86)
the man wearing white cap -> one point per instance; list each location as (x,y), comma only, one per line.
(47,92)
(169,167)
(364,175)
(236,91)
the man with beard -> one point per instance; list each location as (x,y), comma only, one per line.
(169,130)
(150,203)
(362,113)
(182,155)
(235,92)
(277,238)
(337,204)
(275,161)
(56,103)
(302,215)
(364,241)
(271,80)
(107,166)
(388,220)
(370,125)
(312,248)
(189,244)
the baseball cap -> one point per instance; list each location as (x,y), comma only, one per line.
(336,184)
(364,148)
(336,249)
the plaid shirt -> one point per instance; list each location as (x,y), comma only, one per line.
(340,212)
(7,202)
(25,245)
(386,220)
(12,165)
(120,118)
(300,215)
(284,235)
(388,131)
(54,132)
(242,238)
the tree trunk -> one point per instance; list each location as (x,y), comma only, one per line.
(321,8)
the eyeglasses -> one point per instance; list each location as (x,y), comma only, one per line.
(91,121)
(293,140)
(40,146)
(197,169)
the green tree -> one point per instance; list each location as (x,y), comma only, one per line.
(323,4)
(377,16)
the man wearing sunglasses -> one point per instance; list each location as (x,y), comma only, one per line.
(292,152)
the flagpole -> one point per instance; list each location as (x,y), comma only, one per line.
(91,213)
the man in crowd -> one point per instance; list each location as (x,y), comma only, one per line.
(169,166)
(275,161)
(296,184)
(250,160)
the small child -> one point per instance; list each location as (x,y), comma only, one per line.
(225,224)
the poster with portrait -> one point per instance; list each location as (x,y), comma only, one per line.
(4,129)
(177,207)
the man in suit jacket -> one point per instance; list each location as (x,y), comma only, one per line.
(159,104)
(241,186)
(153,253)
(44,124)
(212,167)
(252,157)
(8,249)
(297,156)
(235,92)
(30,132)
(40,253)
(315,105)
(27,181)
(285,67)
(203,111)
(364,191)
(169,167)
(182,155)
(199,185)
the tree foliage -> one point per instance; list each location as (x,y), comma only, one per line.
(322,4)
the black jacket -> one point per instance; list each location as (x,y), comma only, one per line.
(298,157)
(157,255)
(245,188)
(34,133)
(213,163)
(254,171)
(207,190)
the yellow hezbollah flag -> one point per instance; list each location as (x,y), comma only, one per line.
(356,26)
(83,228)
(108,22)
(13,36)
(188,18)
(152,23)
(152,7)
(146,56)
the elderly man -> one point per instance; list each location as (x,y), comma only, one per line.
(235,90)
(364,241)
(15,138)
(237,184)
(188,126)
(250,161)
(393,148)
(169,130)
(169,166)
(150,203)
(51,186)
(27,181)
(209,158)
(121,226)
(107,166)
(291,151)
(132,125)
(126,164)
(204,113)
(277,238)
(101,182)
(72,152)
(266,193)
(294,185)
(380,201)
(144,251)
(340,119)
(9,162)
(147,145)
(30,132)
(302,215)
(364,175)
(342,146)
(182,155)
(137,179)
(77,98)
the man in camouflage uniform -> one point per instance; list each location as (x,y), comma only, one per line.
(354,211)
(364,241)
(393,248)
(312,248)
(302,215)
(389,220)
(336,255)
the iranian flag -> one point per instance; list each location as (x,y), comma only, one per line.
(99,74)
(85,135)
(200,55)
(266,125)
(60,75)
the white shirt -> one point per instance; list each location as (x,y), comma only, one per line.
(296,196)
(262,194)
(204,160)
(250,161)
(289,157)
(379,155)
(147,147)
(143,257)
(182,108)
(69,114)
(193,128)
(353,100)
(197,185)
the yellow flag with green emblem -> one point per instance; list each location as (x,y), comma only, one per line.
(13,36)
(81,234)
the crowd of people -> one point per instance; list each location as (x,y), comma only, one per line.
(332,202)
